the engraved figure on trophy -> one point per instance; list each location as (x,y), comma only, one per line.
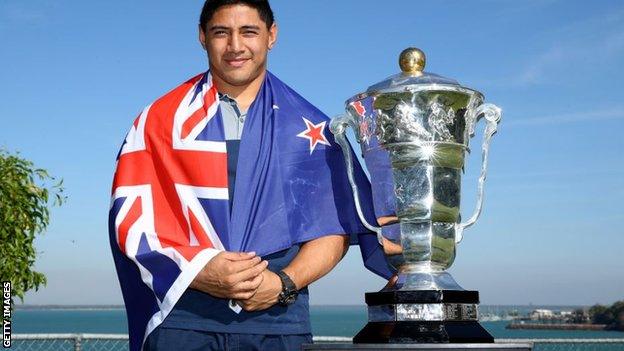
(414,130)
(441,120)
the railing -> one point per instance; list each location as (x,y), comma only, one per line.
(113,342)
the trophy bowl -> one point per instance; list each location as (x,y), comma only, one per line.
(414,130)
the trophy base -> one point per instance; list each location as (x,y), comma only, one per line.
(403,332)
(422,316)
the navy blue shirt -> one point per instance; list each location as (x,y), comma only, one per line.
(200,311)
(233,146)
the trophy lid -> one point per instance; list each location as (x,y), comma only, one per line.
(412,62)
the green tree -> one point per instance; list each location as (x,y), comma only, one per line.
(617,311)
(26,193)
(599,314)
(612,316)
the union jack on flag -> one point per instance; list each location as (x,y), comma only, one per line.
(171,175)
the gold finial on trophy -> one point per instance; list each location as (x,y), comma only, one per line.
(412,61)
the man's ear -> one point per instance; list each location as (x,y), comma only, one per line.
(272,35)
(202,36)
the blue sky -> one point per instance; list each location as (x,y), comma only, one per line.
(74,75)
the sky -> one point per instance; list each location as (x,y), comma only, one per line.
(74,75)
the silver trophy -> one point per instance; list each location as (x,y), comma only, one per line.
(414,130)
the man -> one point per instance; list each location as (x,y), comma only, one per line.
(230,198)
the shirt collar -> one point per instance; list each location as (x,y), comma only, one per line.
(227,99)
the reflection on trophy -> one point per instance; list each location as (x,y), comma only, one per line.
(414,130)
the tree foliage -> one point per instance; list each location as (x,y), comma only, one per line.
(26,194)
(612,316)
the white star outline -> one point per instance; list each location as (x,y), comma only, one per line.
(313,141)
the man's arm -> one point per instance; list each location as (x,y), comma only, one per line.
(315,259)
(233,275)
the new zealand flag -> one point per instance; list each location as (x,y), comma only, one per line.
(169,210)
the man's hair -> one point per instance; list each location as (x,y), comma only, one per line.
(211,6)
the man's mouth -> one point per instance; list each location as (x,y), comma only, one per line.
(236,62)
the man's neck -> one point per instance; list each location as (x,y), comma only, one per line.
(244,95)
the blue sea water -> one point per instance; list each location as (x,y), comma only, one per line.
(326,321)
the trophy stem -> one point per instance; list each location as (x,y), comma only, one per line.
(422,280)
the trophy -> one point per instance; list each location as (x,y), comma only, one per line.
(414,130)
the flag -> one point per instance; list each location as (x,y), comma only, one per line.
(169,211)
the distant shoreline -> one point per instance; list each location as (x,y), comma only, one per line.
(557,326)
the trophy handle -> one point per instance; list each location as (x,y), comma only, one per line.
(492,114)
(338,126)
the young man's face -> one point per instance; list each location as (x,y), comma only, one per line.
(237,42)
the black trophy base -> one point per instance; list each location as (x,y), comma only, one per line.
(404,332)
(464,329)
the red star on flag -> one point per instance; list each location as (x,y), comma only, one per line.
(314,133)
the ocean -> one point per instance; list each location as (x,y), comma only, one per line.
(326,321)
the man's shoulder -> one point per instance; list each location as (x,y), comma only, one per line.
(166,105)
(295,101)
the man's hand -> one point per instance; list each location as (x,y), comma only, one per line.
(266,295)
(392,281)
(233,275)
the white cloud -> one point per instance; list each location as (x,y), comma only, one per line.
(571,117)
(534,71)
(579,46)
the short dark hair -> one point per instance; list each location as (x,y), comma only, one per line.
(211,6)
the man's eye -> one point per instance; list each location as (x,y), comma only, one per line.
(219,33)
(250,33)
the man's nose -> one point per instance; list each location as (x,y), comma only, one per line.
(235,43)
